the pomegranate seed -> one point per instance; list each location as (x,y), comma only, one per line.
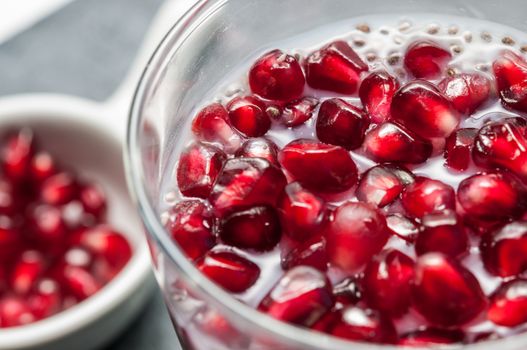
(301,297)
(211,124)
(190,225)
(508,305)
(356,323)
(426,196)
(79,281)
(277,76)
(445,292)
(336,67)
(302,159)
(458,148)
(376,94)
(17,152)
(379,186)
(492,196)
(421,108)
(356,232)
(47,226)
(510,71)
(426,59)
(442,233)
(248,115)
(14,312)
(10,240)
(256,228)
(247,182)
(59,189)
(302,213)
(504,251)
(390,142)
(8,198)
(432,336)
(348,291)
(230,270)
(387,282)
(503,144)
(46,299)
(198,169)
(340,123)
(309,253)
(466,91)
(298,112)
(93,200)
(105,243)
(26,271)
(42,167)
(403,227)
(259,148)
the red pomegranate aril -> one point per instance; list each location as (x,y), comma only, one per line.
(297,112)
(360,324)
(246,182)
(106,243)
(341,123)
(79,281)
(212,124)
(255,228)
(11,242)
(198,169)
(190,224)
(458,148)
(47,226)
(93,200)
(302,159)
(504,251)
(17,151)
(446,293)
(309,253)
(390,142)
(335,67)
(14,312)
(503,143)
(277,76)
(379,186)
(59,189)
(248,115)
(426,59)
(426,196)
(9,201)
(230,270)
(403,227)
(259,148)
(432,336)
(355,234)
(376,94)
(27,270)
(422,108)
(510,71)
(302,213)
(349,291)
(442,233)
(46,299)
(492,196)
(466,91)
(300,297)
(387,282)
(508,305)
(42,167)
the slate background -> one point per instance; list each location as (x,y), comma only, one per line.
(85,49)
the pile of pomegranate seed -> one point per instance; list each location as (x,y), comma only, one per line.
(371,247)
(55,247)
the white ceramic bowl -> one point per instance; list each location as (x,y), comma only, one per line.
(88,137)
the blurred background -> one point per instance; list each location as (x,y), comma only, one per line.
(83,48)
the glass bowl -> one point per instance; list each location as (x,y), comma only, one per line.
(215,40)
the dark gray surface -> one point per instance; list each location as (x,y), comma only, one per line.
(85,49)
